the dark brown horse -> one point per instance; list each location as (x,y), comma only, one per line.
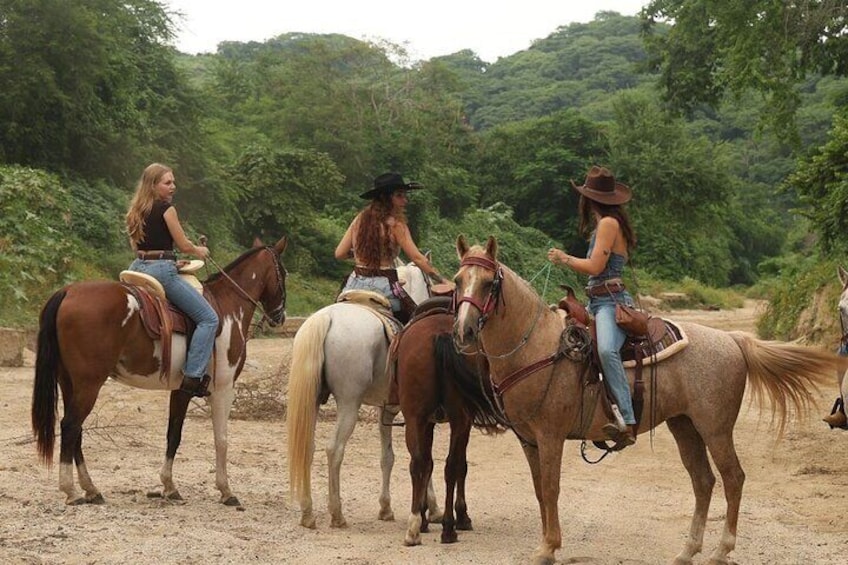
(432,377)
(92,330)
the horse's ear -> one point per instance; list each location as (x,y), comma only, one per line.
(281,245)
(461,246)
(492,247)
(257,242)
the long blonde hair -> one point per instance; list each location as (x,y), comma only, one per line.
(143,199)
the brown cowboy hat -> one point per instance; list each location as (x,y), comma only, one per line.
(601,186)
(389,182)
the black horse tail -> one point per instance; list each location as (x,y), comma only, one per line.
(45,389)
(472,384)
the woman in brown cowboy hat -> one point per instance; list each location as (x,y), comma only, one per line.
(377,235)
(605,222)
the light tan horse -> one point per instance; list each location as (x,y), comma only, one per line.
(698,391)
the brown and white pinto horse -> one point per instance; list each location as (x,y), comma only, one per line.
(92,330)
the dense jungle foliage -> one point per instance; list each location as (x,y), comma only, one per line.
(735,176)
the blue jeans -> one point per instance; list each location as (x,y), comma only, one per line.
(380,285)
(610,339)
(188,300)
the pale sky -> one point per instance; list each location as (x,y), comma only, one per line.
(427,28)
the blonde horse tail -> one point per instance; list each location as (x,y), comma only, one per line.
(302,411)
(787,373)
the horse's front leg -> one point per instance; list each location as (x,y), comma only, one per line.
(177,408)
(550,464)
(222,402)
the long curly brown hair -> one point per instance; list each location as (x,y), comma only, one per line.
(374,241)
(586,209)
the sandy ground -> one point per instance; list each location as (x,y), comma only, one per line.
(632,508)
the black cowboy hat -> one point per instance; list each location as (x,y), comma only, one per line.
(601,186)
(389,182)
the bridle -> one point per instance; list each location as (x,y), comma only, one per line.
(274,316)
(492,299)
(490,304)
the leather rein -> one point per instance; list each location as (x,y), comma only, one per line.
(271,317)
(486,307)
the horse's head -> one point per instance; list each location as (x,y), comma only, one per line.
(478,288)
(414,282)
(258,276)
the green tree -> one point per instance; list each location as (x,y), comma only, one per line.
(529,166)
(682,192)
(821,181)
(283,191)
(714,48)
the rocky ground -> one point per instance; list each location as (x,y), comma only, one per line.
(633,508)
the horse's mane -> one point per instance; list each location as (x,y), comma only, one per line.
(234,263)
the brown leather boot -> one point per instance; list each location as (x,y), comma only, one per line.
(628,438)
(196,387)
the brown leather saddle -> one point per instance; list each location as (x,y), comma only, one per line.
(161,320)
(661,335)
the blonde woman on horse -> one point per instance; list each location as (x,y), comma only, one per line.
(154,229)
(605,221)
(375,238)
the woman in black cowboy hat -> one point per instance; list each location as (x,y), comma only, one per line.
(376,236)
(606,223)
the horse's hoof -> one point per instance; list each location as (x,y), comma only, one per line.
(387,516)
(75,502)
(308,522)
(425,527)
(173,496)
(96,499)
(449,536)
(154,494)
(436,516)
(231,501)
(411,541)
(338,523)
(464,526)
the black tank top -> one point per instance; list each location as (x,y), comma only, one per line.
(156,234)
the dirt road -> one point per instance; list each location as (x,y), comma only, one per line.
(633,508)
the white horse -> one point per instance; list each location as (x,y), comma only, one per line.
(341,350)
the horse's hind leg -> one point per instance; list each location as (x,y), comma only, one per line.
(693,453)
(463,520)
(419,443)
(456,467)
(92,493)
(345,423)
(77,410)
(387,463)
(724,455)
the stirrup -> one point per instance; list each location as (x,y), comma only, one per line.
(196,387)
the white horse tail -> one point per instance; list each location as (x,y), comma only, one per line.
(786,373)
(302,411)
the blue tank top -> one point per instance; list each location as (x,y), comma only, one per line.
(613,270)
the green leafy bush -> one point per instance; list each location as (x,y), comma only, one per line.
(36,240)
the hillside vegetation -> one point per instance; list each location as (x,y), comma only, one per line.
(280,137)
